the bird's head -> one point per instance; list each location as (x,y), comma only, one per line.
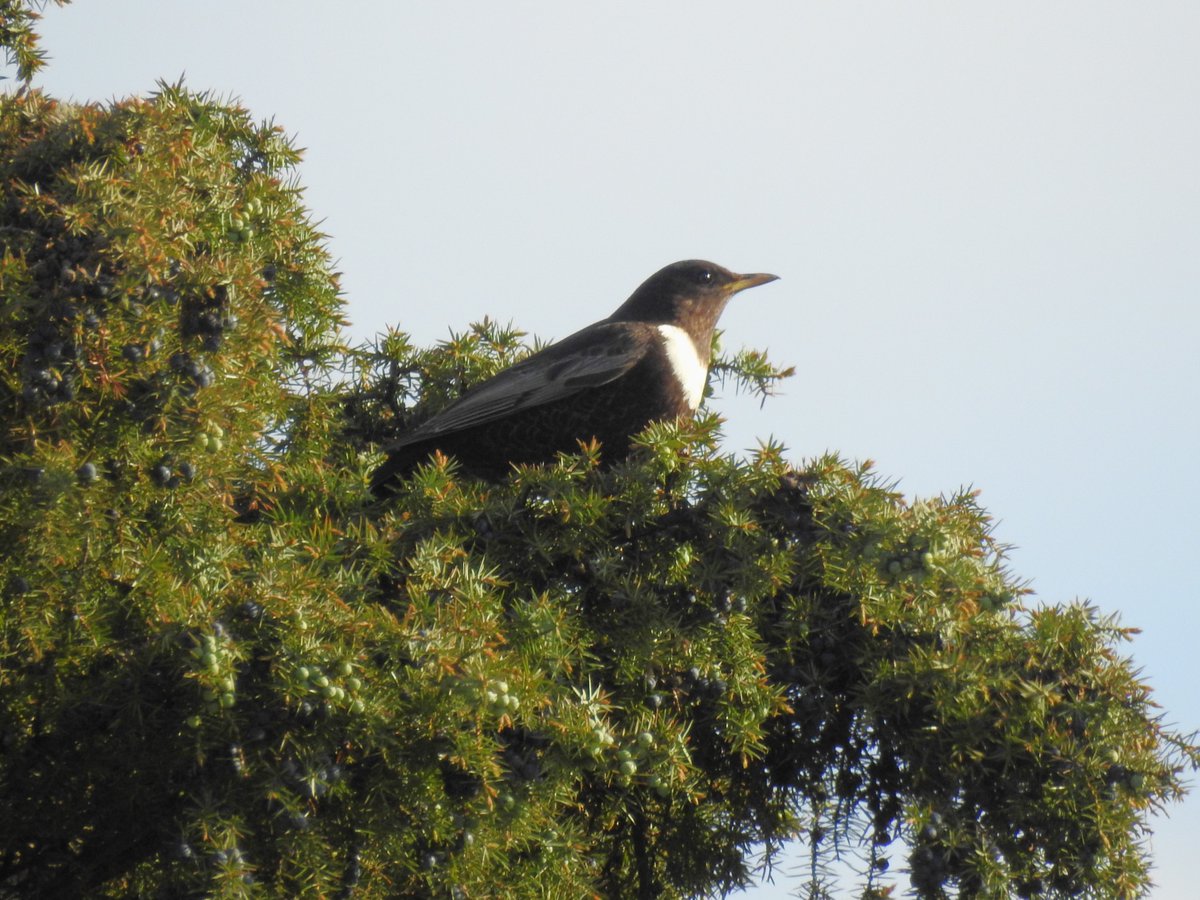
(691,293)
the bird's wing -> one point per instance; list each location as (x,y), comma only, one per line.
(595,356)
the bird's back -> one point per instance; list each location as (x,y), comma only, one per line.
(611,413)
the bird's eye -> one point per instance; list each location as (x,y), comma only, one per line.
(703,276)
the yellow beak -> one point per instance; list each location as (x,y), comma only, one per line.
(748,281)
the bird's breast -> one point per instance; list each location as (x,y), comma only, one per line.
(690,370)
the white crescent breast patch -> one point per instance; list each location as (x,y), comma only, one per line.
(685,362)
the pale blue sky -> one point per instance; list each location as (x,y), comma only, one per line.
(986,218)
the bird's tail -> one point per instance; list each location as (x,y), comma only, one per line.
(400,462)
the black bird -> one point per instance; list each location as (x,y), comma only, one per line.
(646,362)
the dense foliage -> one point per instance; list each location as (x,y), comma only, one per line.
(225,671)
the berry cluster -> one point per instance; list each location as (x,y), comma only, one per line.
(207,317)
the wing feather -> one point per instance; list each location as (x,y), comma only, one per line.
(595,356)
